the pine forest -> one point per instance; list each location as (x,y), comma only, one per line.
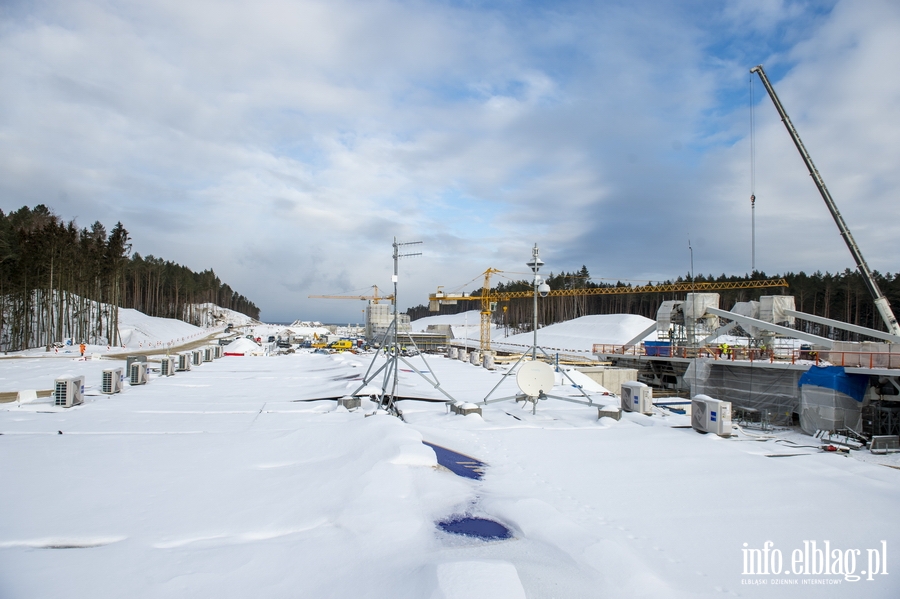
(60,282)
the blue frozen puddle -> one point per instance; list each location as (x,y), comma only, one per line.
(481,528)
(459,464)
(468,526)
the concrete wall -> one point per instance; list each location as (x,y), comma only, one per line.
(610,377)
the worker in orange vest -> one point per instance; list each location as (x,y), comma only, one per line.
(82,347)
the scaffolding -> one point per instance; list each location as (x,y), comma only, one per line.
(773,392)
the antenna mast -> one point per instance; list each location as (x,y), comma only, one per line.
(752,182)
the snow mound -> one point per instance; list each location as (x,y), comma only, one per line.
(136,329)
(242,347)
(578,335)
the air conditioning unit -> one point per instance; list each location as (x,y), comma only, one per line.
(132,359)
(637,397)
(218,352)
(167,366)
(196,357)
(710,415)
(207,354)
(113,381)
(138,374)
(68,392)
(184,362)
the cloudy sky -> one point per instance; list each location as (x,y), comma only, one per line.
(285,144)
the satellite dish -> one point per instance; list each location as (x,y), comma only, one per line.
(535,377)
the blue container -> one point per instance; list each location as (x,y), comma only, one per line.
(657,348)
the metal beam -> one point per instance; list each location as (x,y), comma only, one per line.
(844,326)
(775,328)
(640,336)
(720,331)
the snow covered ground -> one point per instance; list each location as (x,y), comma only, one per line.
(234,480)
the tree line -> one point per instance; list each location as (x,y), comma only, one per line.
(58,282)
(840,296)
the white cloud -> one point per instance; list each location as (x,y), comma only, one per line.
(285,144)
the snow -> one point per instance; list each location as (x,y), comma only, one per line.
(242,346)
(580,334)
(138,330)
(574,336)
(234,480)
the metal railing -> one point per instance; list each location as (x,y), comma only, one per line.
(848,359)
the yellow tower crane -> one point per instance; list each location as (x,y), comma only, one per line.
(489,298)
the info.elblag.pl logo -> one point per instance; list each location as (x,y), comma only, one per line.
(814,559)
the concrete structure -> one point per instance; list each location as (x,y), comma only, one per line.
(379,317)
(610,377)
(464,409)
(349,402)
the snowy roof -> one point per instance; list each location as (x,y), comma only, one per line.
(235,480)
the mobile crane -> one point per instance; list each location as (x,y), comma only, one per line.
(881,302)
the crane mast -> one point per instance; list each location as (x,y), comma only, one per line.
(881,302)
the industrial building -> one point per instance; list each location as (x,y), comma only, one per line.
(770,371)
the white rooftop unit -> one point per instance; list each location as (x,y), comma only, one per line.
(167,366)
(113,381)
(196,357)
(669,313)
(695,305)
(772,307)
(637,397)
(710,415)
(751,310)
(138,374)
(131,360)
(184,362)
(217,352)
(69,391)
(208,354)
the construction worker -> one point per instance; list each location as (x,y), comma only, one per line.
(82,347)
(724,350)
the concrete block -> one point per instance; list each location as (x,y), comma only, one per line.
(464,409)
(609,412)
(349,402)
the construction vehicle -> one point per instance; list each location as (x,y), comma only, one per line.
(881,303)
(489,298)
(340,345)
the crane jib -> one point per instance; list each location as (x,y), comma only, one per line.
(881,302)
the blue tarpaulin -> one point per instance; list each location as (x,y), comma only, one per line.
(834,377)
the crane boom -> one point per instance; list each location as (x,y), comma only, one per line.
(881,302)
(685,287)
